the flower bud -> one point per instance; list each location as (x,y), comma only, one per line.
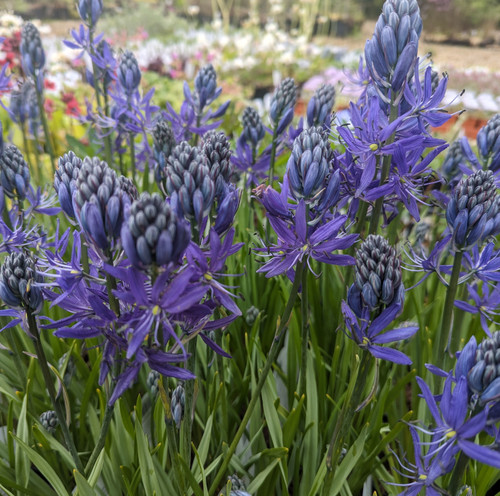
(24,106)
(452,161)
(153,234)
(217,149)
(18,278)
(253,130)
(99,202)
(128,186)
(205,84)
(188,176)
(177,404)
(307,167)
(152,382)
(90,11)
(283,100)
(129,73)
(392,51)
(488,143)
(163,144)
(14,173)
(228,203)
(378,279)
(251,315)
(32,53)
(484,377)
(49,421)
(68,168)
(320,106)
(473,210)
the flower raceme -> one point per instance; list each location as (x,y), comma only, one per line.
(32,53)
(153,234)
(378,279)
(488,143)
(320,106)
(18,283)
(473,212)
(99,202)
(129,73)
(66,175)
(14,173)
(391,53)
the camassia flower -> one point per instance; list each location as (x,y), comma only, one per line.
(370,334)
(297,240)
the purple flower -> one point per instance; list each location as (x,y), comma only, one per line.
(454,426)
(298,241)
(485,304)
(425,471)
(370,334)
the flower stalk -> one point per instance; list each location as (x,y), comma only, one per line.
(273,353)
(42,360)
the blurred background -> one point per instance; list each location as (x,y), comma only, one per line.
(255,43)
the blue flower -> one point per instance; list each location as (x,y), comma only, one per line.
(370,334)
(297,240)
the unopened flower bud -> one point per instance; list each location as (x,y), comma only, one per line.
(307,167)
(152,382)
(205,84)
(321,105)
(473,210)
(392,51)
(90,11)
(251,315)
(68,168)
(488,143)
(14,173)
(452,161)
(177,404)
(153,234)
(188,176)
(253,130)
(283,101)
(484,377)
(18,283)
(163,144)
(378,279)
(217,149)
(32,53)
(49,421)
(99,202)
(129,73)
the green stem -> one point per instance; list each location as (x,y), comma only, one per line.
(26,148)
(108,415)
(132,154)
(353,397)
(42,360)
(107,138)
(45,126)
(304,310)
(171,437)
(445,332)
(384,174)
(189,390)
(458,474)
(110,286)
(274,145)
(273,353)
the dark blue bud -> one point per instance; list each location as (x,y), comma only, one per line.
(405,66)
(129,73)
(90,11)
(14,173)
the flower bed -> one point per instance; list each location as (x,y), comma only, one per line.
(202,300)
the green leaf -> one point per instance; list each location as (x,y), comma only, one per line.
(42,465)
(97,469)
(349,462)
(269,394)
(84,488)
(148,474)
(22,459)
(202,451)
(260,478)
(292,423)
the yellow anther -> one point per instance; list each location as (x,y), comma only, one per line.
(156,310)
(374,147)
